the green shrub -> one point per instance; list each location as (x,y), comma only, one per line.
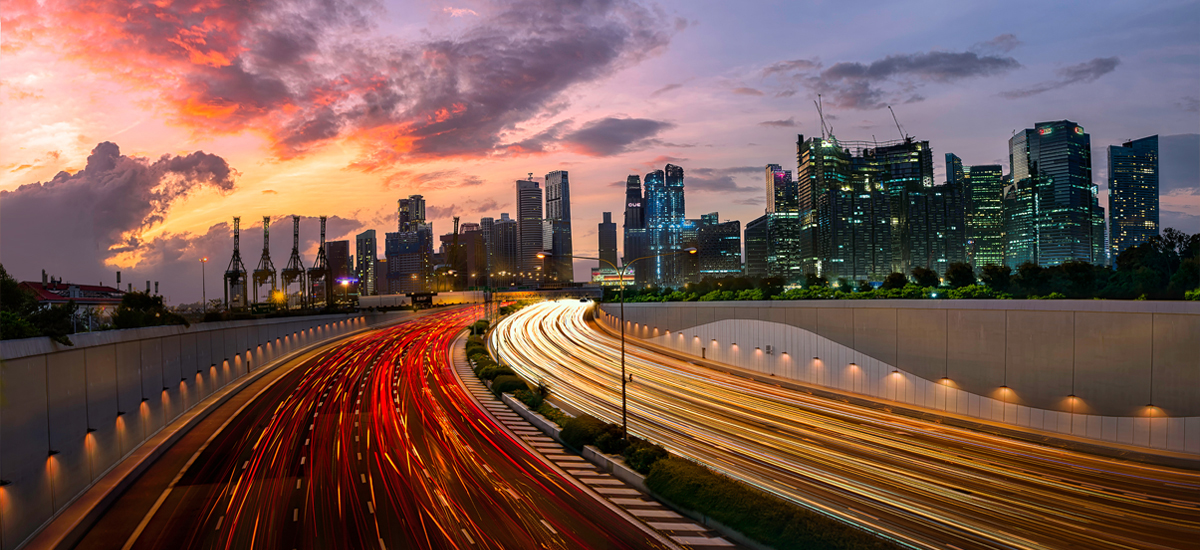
(581,431)
(479,327)
(641,455)
(492,371)
(529,398)
(553,414)
(761,516)
(507,383)
(609,440)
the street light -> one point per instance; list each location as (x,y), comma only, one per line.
(203,287)
(621,281)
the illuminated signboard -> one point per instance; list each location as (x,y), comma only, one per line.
(1045,131)
(1079,130)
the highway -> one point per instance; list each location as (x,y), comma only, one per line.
(375,444)
(919,483)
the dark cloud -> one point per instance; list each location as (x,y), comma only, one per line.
(785,93)
(1003,43)
(1085,72)
(789,123)
(1190,104)
(720,180)
(469,206)
(310,72)
(664,159)
(747,91)
(856,85)
(540,142)
(1188,223)
(793,66)
(73,224)
(1179,163)
(611,136)
(665,89)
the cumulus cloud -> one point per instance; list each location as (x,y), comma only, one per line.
(789,123)
(1085,72)
(307,73)
(858,85)
(83,219)
(469,206)
(611,136)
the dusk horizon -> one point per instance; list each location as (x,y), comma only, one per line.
(220,112)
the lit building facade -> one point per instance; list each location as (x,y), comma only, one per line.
(558,220)
(665,221)
(606,233)
(983,201)
(529,228)
(635,230)
(718,247)
(1070,224)
(758,246)
(365,250)
(783,218)
(1132,194)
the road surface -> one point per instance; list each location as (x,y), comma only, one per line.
(919,483)
(374,444)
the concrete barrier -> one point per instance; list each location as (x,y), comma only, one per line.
(1117,372)
(541,422)
(70,414)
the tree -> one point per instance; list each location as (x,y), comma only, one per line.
(895,281)
(996,277)
(925,277)
(1031,279)
(14,298)
(811,280)
(139,309)
(960,274)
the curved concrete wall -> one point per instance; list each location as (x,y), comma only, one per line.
(95,402)
(1126,372)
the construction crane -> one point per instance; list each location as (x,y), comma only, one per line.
(294,272)
(320,271)
(265,273)
(235,274)
(903,135)
(825,130)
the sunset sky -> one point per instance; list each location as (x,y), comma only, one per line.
(196,111)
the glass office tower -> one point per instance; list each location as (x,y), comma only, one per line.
(1132,194)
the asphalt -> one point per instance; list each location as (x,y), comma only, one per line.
(369,444)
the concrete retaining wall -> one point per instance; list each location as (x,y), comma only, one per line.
(1125,372)
(68,414)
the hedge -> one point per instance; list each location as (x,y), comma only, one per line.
(508,382)
(581,431)
(759,515)
(641,455)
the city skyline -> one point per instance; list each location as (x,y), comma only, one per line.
(722,119)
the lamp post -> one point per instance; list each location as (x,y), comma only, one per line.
(621,281)
(203,287)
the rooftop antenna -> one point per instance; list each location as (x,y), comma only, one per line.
(531,176)
(897,121)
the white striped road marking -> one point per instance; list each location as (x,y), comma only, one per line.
(297,483)
(244,464)
(469,539)
(295,514)
(371,506)
(549,527)
(219,522)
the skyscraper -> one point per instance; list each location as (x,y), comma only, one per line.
(558,216)
(607,235)
(719,247)
(529,226)
(635,230)
(1021,214)
(411,211)
(1070,221)
(664,225)
(983,202)
(757,247)
(506,247)
(1132,193)
(783,218)
(365,250)
(338,253)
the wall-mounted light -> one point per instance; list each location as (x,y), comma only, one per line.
(120,413)
(52,452)
(90,430)
(184,379)
(853,364)
(815,358)
(1004,387)
(165,388)
(894,371)
(145,399)
(5,482)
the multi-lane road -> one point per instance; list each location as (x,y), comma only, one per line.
(374,444)
(920,483)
